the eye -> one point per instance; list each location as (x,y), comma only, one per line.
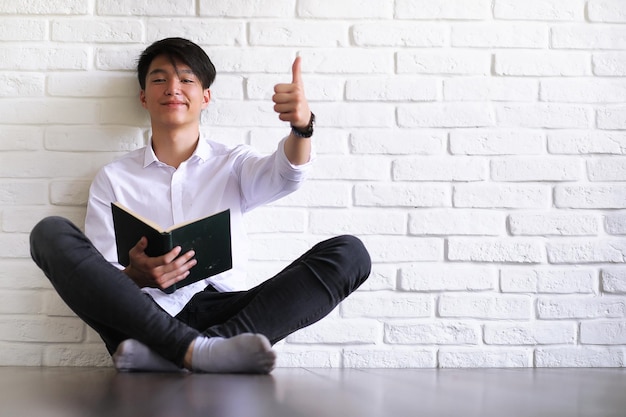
(187,81)
(158,80)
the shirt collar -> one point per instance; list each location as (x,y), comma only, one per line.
(203,152)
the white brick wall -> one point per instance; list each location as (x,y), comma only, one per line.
(478,148)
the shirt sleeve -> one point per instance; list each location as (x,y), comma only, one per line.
(99,220)
(264,179)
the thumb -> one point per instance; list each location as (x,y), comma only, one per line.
(296,71)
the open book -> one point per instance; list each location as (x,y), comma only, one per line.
(209,237)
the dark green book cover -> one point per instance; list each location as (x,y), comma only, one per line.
(209,237)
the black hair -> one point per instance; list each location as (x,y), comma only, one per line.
(177,49)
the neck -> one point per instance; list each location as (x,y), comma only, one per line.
(175,146)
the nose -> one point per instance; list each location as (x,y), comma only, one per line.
(172,87)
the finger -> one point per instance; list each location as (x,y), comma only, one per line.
(296,71)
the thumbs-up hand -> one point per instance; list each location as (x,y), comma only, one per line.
(289,100)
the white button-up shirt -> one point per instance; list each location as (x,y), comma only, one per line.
(214,178)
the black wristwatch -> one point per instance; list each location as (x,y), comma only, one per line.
(307,132)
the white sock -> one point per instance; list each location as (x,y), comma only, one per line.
(132,355)
(244,353)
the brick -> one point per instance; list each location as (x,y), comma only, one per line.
(356,221)
(580,307)
(151,8)
(278,248)
(261,87)
(610,196)
(446,115)
(328,330)
(21,354)
(22,274)
(333,141)
(125,112)
(347,9)
(609,63)
(495,250)
(399,249)
(549,281)
(613,280)
(615,223)
(553,224)
(69,193)
(22,30)
(433,277)
(455,168)
(297,33)
(603,332)
(582,142)
(21,138)
(43,58)
(443,9)
(538,63)
(275,220)
(444,63)
(490,89)
(402,195)
(204,32)
(94,139)
(607,11)
(95,30)
(579,356)
(15,245)
(530,333)
(92,355)
(395,89)
(484,358)
(53,7)
(578,90)
(382,277)
(496,142)
(22,85)
(579,36)
(21,192)
(611,117)
(61,111)
(397,142)
(54,306)
(92,85)
(359,167)
(536,169)
(24,219)
(607,169)
(499,35)
(398,33)
(456,222)
(319,194)
(246,8)
(549,115)
(551,10)
(387,304)
(502,196)
(442,332)
(295,357)
(487,306)
(20,302)
(585,251)
(358,115)
(56,164)
(116,58)
(41,329)
(349,61)
(389,358)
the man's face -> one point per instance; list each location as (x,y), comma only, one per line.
(174,96)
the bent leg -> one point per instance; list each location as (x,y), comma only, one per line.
(103,296)
(301,294)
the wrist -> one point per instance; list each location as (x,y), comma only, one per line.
(304,132)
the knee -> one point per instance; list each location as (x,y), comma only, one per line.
(356,256)
(46,231)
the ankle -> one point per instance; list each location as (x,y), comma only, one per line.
(189,356)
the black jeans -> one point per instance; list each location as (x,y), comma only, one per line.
(109,302)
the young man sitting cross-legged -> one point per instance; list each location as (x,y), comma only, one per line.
(216,324)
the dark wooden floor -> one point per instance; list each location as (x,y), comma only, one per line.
(69,392)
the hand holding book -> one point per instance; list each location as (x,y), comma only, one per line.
(209,238)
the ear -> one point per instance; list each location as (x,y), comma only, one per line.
(142,98)
(206,98)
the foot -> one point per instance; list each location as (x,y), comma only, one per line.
(244,353)
(132,356)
